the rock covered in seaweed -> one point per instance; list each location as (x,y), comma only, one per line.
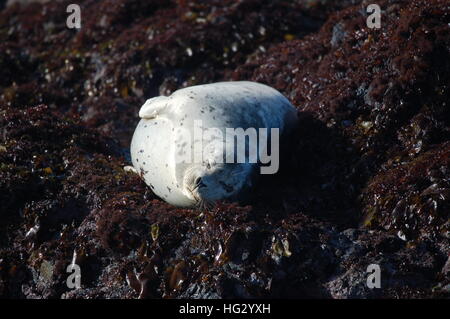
(372,150)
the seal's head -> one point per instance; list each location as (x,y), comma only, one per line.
(208,182)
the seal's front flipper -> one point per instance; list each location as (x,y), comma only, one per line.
(131,169)
(153,107)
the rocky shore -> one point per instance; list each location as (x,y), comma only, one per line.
(366,181)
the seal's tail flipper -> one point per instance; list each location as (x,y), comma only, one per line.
(153,107)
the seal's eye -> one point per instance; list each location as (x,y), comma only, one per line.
(226,187)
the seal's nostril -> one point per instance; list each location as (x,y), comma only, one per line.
(199,183)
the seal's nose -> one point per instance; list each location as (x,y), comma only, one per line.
(199,183)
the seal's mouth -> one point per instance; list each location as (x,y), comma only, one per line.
(204,204)
(200,203)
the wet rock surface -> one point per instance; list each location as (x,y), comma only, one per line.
(365,181)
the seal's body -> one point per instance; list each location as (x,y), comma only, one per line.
(167,132)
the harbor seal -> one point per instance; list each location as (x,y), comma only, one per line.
(180,151)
